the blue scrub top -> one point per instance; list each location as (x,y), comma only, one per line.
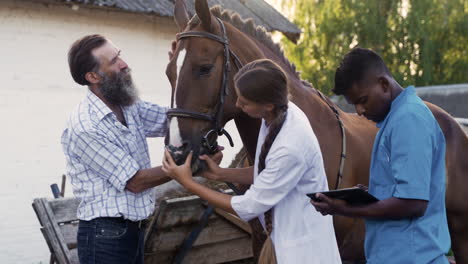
(408,161)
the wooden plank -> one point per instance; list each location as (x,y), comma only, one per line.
(47,240)
(179,212)
(162,257)
(151,229)
(235,220)
(52,230)
(221,252)
(174,221)
(69,232)
(218,230)
(62,189)
(74,256)
(36,210)
(175,212)
(65,209)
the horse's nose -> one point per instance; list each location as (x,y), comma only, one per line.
(180,153)
(186,147)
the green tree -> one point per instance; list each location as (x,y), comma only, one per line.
(423,42)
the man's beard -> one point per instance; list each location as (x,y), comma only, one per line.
(118,88)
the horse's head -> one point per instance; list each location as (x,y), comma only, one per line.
(202,96)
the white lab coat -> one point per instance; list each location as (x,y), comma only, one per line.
(293,168)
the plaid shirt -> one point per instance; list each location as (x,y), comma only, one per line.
(102,155)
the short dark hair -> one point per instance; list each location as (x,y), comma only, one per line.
(354,67)
(80,58)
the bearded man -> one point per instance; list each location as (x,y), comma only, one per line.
(107,154)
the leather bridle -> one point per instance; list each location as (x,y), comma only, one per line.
(216,117)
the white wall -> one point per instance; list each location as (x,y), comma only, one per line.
(37,93)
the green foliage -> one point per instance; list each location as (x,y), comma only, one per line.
(423,42)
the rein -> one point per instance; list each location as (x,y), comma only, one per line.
(215,118)
(343,135)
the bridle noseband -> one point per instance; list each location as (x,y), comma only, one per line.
(215,118)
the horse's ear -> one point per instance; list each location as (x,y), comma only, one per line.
(203,12)
(180,14)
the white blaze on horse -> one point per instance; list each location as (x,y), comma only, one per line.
(175,138)
(214,45)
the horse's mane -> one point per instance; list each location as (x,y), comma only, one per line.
(248,27)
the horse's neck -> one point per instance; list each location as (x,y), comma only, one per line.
(247,51)
(306,97)
(320,115)
(298,90)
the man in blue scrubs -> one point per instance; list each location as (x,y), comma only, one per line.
(407,173)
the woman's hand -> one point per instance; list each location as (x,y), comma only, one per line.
(182,173)
(213,170)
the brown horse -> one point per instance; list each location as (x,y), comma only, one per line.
(211,48)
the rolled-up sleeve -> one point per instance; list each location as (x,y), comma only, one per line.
(411,157)
(282,173)
(105,158)
(154,118)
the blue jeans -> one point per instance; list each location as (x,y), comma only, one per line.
(110,241)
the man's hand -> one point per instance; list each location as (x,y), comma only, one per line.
(363,187)
(182,173)
(329,206)
(173,47)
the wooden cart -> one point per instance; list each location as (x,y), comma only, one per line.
(222,237)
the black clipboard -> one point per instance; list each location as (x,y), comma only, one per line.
(354,196)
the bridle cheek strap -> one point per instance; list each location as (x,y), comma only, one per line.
(216,118)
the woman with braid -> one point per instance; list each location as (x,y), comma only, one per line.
(288,165)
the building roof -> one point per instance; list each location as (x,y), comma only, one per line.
(261,12)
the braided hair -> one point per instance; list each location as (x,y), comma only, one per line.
(264,82)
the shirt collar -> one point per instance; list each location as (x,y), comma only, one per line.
(397,102)
(98,105)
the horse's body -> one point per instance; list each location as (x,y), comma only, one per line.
(250,43)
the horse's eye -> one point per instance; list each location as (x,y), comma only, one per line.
(205,69)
